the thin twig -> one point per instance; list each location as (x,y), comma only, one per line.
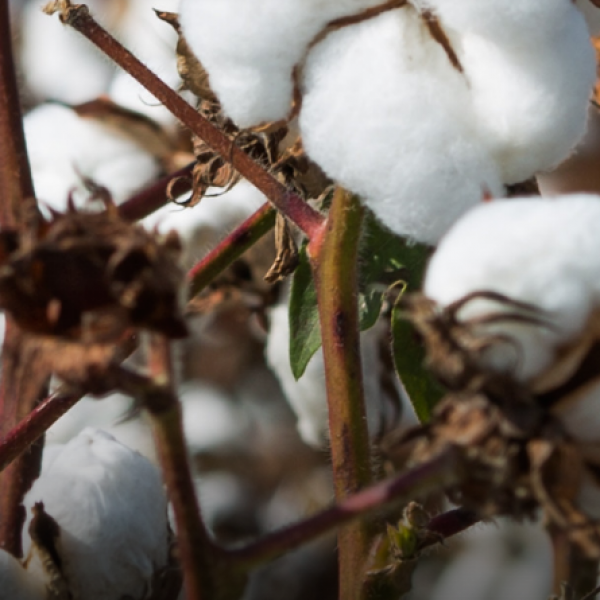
(154,197)
(195,547)
(230,248)
(290,204)
(433,475)
(33,426)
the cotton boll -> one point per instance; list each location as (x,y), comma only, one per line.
(211,419)
(57,62)
(112,512)
(580,416)
(531,70)
(543,252)
(249,50)
(387,116)
(64,147)
(15,582)
(153,42)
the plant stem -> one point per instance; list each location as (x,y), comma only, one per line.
(287,202)
(154,197)
(33,426)
(419,481)
(230,248)
(195,546)
(15,188)
(333,256)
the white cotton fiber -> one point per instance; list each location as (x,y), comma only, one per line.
(249,49)
(64,147)
(591,14)
(543,252)
(387,116)
(112,512)
(531,69)
(15,582)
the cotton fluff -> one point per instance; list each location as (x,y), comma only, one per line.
(15,582)
(591,14)
(543,252)
(63,147)
(249,49)
(307,397)
(531,70)
(112,511)
(386,115)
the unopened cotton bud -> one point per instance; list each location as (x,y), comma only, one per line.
(109,504)
(15,582)
(542,252)
(249,49)
(64,147)
(387,116)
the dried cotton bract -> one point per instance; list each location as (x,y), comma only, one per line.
(109,504)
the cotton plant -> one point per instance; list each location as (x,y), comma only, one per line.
(419,116)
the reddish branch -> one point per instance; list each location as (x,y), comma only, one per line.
(289,203)
(33,426)
(432,476)
(230,249)
(15,188)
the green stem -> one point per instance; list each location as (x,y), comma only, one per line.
(333,257)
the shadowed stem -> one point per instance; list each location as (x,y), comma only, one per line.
(195,547)
(15,188)
(290,204)
(333,258)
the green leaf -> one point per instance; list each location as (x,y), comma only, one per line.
(305,329)
(383,258)
(409,354)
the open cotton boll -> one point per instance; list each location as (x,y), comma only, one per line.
(64,147)
(543,252)
(531,70)
(112,512)
(16,583)
(249,49)
(57,62)
(387,116)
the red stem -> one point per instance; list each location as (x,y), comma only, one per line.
(152,198)
(33,426)
(230,248)
(430,476)
(289,203)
